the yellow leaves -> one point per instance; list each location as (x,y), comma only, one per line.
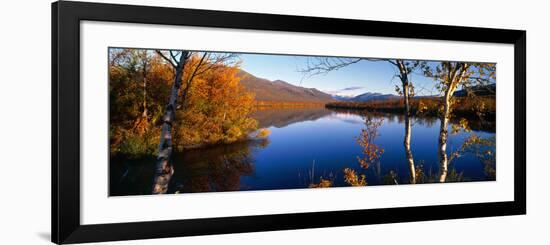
(141,126)
(371,152)
(218,107)
(263,133)
(323,183)
(475,140)
(353,179)
(215,108)
(484,150)
(419,173)
(233,134)
(422,107)
(461,125)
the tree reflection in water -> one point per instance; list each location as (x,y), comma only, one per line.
(481,148)
(218,168)
(214,168)
(475,124)
(247,166)
(371,151)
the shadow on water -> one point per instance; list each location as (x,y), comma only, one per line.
(209,169)
(216,168)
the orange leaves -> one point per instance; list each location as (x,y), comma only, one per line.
(323,183)
(371,152)
(353,179)
(461,125)
(217,108)
(263,133)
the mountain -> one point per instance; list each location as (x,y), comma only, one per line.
(479,90)
(343,97)
(368,96)
(281,91)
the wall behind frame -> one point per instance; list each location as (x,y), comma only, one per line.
(25,121)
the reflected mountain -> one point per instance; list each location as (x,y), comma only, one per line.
(427,121)
(281,118)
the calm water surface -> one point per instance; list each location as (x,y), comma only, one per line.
(304,145)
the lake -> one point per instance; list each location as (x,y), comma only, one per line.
(305,145)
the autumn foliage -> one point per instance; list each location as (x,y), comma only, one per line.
(215,111)
(371,151)
(352,178)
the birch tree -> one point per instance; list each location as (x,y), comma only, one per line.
(144,68)
(323,65)
(406,89)
(449,77)
(163,168)
(179,60)
(141,125)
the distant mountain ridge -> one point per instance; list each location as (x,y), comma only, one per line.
(480,90)
(368,96)
(281,91)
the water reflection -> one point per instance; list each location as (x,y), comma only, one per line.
(307,145)
(427,121)
(283,117)
(217,168)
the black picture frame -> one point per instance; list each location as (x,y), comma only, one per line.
(66,18)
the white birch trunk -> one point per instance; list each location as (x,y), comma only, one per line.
(455,78)
(443,134)
(144,115)
(163,169)
(407,138)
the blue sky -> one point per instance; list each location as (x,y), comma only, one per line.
(355,79)
(352,80)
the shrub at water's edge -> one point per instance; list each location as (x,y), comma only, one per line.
(216,111)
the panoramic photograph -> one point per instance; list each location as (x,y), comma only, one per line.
(186,121)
